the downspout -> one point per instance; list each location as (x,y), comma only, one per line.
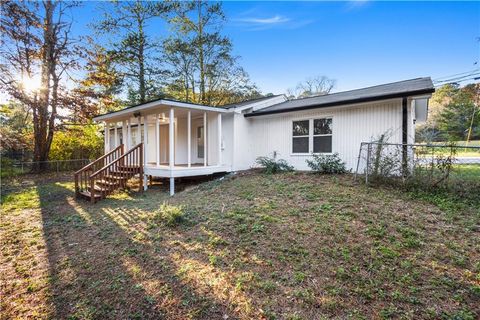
(404,136)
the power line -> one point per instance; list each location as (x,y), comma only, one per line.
(455,75)
(458,78)
(454,82)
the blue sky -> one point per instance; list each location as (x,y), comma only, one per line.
(357,43)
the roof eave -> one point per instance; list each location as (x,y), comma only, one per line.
(155,104)
(344,102)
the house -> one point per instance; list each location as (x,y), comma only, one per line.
(182,139)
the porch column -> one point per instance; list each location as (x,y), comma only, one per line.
(171,146)
(129,134)
(205,139)
(115,132)
(145,138)
(219,134)
(124,133)
(139,130)
(107,136)
(189,138)
(157,138)
(171,140)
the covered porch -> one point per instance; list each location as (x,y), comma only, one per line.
(180,139)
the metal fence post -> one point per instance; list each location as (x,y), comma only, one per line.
(368,162)
(358,161)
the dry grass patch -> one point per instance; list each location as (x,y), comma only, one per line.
(288,246)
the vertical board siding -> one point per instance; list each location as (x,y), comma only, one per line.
(351,126)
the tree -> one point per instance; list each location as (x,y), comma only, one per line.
(452,111)
(181,59)
(102,83)
(37,44)
(460,113)
(207,64)
(312,86)
(15,127)
(134,52)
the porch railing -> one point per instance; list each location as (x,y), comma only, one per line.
(82,176)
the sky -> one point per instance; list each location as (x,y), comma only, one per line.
(357,43)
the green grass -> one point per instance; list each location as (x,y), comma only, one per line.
(287,246)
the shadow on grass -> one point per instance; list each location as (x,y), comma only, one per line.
(102,266)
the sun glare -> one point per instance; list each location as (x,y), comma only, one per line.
(31,84)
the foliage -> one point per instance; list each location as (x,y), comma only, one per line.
(134,51)
(103,82)
(428,168)
(452,111)
(203,69)
(325,163)
(272,165)
(7,169)
(79,142)
(15,127)
(170,215)
(39,52)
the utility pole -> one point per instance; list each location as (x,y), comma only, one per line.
(475,106)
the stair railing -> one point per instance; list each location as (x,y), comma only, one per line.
(82,175)
(123,168)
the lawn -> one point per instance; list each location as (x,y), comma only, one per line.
(286,246)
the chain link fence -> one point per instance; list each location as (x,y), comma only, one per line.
(447,166)
(15,168)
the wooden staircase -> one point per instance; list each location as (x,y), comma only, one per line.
(109,173)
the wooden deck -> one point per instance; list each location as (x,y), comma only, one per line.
(182,170)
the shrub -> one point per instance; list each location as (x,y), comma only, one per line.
(272,165)
(170,215)
(327,163)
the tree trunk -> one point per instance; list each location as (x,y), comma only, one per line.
(141,62)
(40,114)
(201,53)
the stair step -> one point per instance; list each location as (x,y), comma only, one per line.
(115,177)
(107,183)
(88,195)
(98,189)
(122,172)
(129,167)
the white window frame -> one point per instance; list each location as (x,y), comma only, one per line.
(321,135)
(310,136)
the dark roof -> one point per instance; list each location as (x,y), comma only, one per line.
(381,92)
(243,103)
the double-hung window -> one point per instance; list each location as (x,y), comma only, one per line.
(301,136)
(322,135)
(312,136)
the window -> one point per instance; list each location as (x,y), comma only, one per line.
(313,135)
(300,136)
(322,135)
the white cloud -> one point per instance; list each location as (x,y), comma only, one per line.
(257,24)
(277,19)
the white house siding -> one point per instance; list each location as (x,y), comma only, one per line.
(227,139)
(351,126)
(243,140)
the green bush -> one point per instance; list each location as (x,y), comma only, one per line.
(272,165)
(327,163)
(170,215)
